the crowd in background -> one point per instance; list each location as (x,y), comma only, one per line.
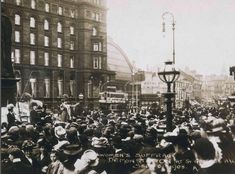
(91,142)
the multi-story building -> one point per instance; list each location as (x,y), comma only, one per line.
(59,47)
(150,92)
(218,86)
(188,87)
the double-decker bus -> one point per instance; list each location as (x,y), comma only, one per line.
(113,100)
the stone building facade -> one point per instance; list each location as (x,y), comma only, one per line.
(59,47)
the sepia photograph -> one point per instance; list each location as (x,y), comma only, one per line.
(117,87)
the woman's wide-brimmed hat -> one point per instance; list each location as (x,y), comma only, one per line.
(90,156)
(10,106)
(99,142)
(60,132)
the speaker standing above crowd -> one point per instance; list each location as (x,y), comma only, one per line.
(202,142)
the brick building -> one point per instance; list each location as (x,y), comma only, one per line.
(59,47)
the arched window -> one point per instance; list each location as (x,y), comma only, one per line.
(17,55)
(32,58)
(46,59)
(47,87)
(60,87)
(17,19)
(59,60)
(72,87)
(17,36)
(46,41)
(32,22)
(46,24)
(72,30)
(59,27)
(18,2)
(60,10)
(94,31)
(47,7)
(33,4)
(59,42)
(18,83)
(71,61)
(32,38)
(33,86)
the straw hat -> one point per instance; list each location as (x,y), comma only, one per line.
(71,149)
(60,132)
(99,142)
(91,157)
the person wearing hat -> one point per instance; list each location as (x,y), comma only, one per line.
(102,146)
(183,158)
(11,116)
(88,161)
(64,115)
(205,154)
(30,159)
(66,108)
(72,135)
(17,166)
(34,116)
(43,156)
(68,155)
(60,134)
(14,136)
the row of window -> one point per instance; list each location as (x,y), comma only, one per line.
(46,40)
(16,56)
(93,15)
(46,25)
(47,8)
(32,3)
(97,46)
(32,24)
(33,85)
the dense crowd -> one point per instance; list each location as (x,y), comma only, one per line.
(91,142)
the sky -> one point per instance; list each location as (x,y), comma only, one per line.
(204,33)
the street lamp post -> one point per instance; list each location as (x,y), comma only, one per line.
(169,75)
(164,15)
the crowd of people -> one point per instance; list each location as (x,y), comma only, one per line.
(91,142)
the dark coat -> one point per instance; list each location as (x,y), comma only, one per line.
(216,169)
(45,161)
(35,164)
(184,163)
(19,168)
(11,119)
(34,117)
